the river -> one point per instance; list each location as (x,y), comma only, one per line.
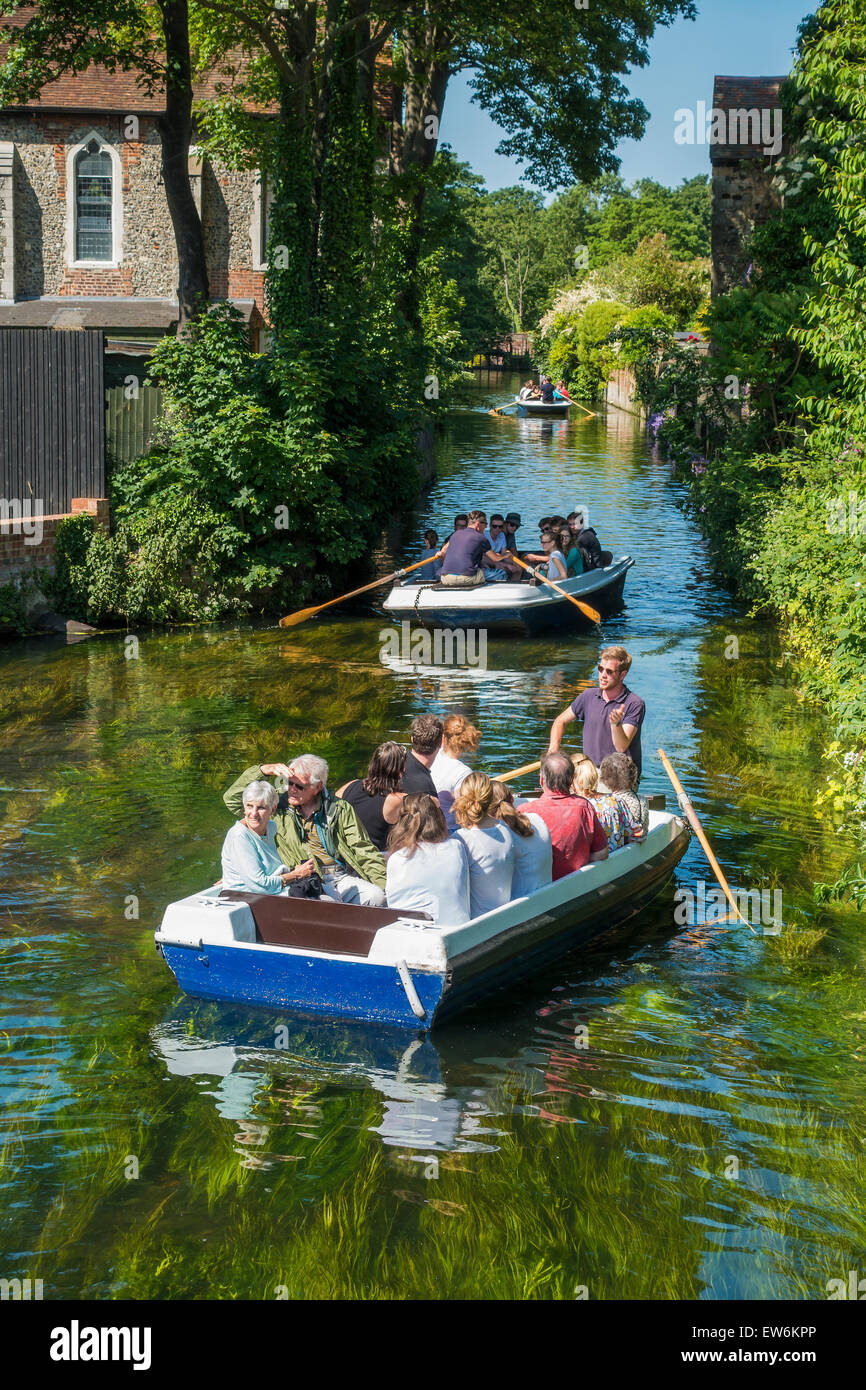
(677,1113)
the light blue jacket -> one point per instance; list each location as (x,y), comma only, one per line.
(250,861)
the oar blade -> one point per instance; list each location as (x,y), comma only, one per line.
(293,619)
(591,613)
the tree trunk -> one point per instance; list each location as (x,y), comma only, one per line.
(175,129)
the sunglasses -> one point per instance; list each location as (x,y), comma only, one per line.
(298,786)
(608,670)
(496,525)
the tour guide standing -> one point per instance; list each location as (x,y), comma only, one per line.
(319,832)
(611,714)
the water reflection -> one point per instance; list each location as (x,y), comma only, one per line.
(573,1130)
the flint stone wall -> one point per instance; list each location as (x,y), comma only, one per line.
(148,265)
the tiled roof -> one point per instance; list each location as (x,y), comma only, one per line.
(97,89)
(744,94)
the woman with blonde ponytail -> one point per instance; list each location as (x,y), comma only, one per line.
(489,844)
(459,736)
(533,851)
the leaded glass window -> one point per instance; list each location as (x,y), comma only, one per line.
(93,174)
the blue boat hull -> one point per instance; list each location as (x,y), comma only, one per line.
(310,984)
(357,989)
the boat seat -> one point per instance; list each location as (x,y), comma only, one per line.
(318,923)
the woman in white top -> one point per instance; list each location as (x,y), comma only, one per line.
(425,870)
(533,851)
(250,862)
(447,770)
(554,564)
(489,845)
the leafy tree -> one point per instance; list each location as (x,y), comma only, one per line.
(451,231)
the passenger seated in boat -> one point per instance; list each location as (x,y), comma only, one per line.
(533,852)
(427,871)
(618,774)
(465,554)
(458,736)
(428,574)
(505,568)
(571,550)
(561,391)
(377,798)
(577,835)
(610,812)
(313,825)
(527,391)
(547,390)
(489,844)
(586,539)
(250,862)
(553,564)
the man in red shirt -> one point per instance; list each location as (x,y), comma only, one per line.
(576,832)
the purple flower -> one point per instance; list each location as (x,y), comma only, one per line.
(699,465)
(654,423)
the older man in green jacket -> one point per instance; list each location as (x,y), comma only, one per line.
(317,831)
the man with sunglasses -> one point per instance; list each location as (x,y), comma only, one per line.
(317,831)
(611,714)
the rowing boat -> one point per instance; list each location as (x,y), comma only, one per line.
(315,956)
(555,408)
(526,607)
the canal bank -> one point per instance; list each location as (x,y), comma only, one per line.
(576,1134)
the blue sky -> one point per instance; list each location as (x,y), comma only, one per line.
(736,37)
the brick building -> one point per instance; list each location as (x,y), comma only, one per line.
(743,195)
(86,239)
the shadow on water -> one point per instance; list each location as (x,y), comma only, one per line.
(675,1113)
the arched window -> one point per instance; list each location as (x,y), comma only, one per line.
(93,204)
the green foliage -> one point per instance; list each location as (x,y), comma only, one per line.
(576,347)
(268,478)
(68,594)
(779,491)
(652,275)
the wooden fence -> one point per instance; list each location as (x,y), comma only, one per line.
(129,422)
(52,417)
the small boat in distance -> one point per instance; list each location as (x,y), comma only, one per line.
(314,956)
(527,608)
(554,408)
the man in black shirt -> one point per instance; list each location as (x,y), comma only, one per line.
(426,742)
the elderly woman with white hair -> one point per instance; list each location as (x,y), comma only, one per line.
(317,831)
(250,861)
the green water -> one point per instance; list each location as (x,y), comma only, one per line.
(707,1142)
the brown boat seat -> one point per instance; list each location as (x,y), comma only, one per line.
(318,923)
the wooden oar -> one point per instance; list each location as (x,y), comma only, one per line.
(592,414)
(517,772)
(292,619)
(690,814)
(592,613)
(500,411)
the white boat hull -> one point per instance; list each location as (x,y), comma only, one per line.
(527,607)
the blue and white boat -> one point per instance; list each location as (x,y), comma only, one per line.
(526,607)
(319,957)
